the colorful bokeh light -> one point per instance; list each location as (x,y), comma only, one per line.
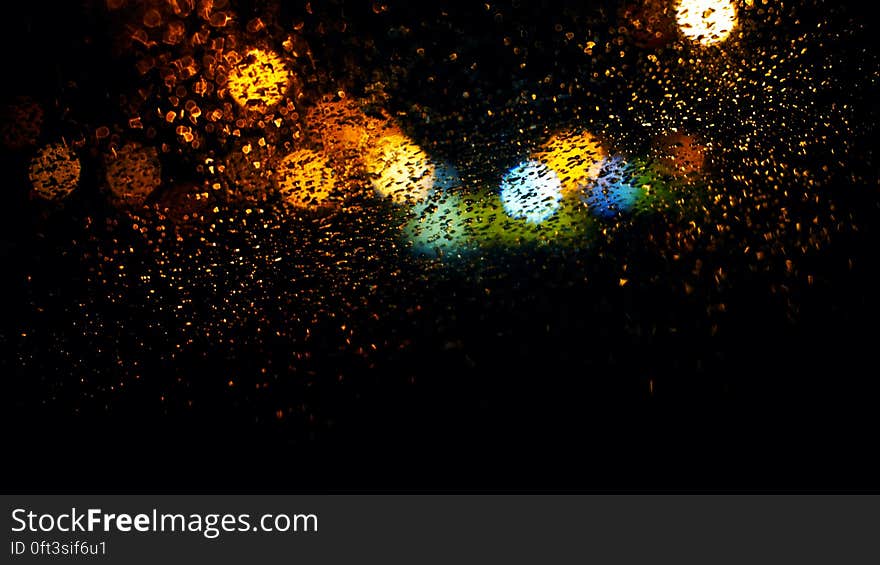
(616,191)
(437,227)
(575,157)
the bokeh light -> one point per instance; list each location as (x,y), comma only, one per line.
(341,125)
(679,155)
(706,21)
(21,123)
(531,191)
(400,169)
(303,198)
(616,191)
(489,226)
(305,179)
(260,80)
(437,227)
(54,172)
(575,157)
(133,172)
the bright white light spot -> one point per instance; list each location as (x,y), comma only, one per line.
(531,191)
(706,21)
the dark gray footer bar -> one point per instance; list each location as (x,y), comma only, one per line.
(416,529)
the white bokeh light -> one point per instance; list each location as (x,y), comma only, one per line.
(706,21)
(531,191)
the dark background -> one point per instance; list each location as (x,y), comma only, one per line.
(530,371)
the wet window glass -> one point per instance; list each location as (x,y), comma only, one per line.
(464,226)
